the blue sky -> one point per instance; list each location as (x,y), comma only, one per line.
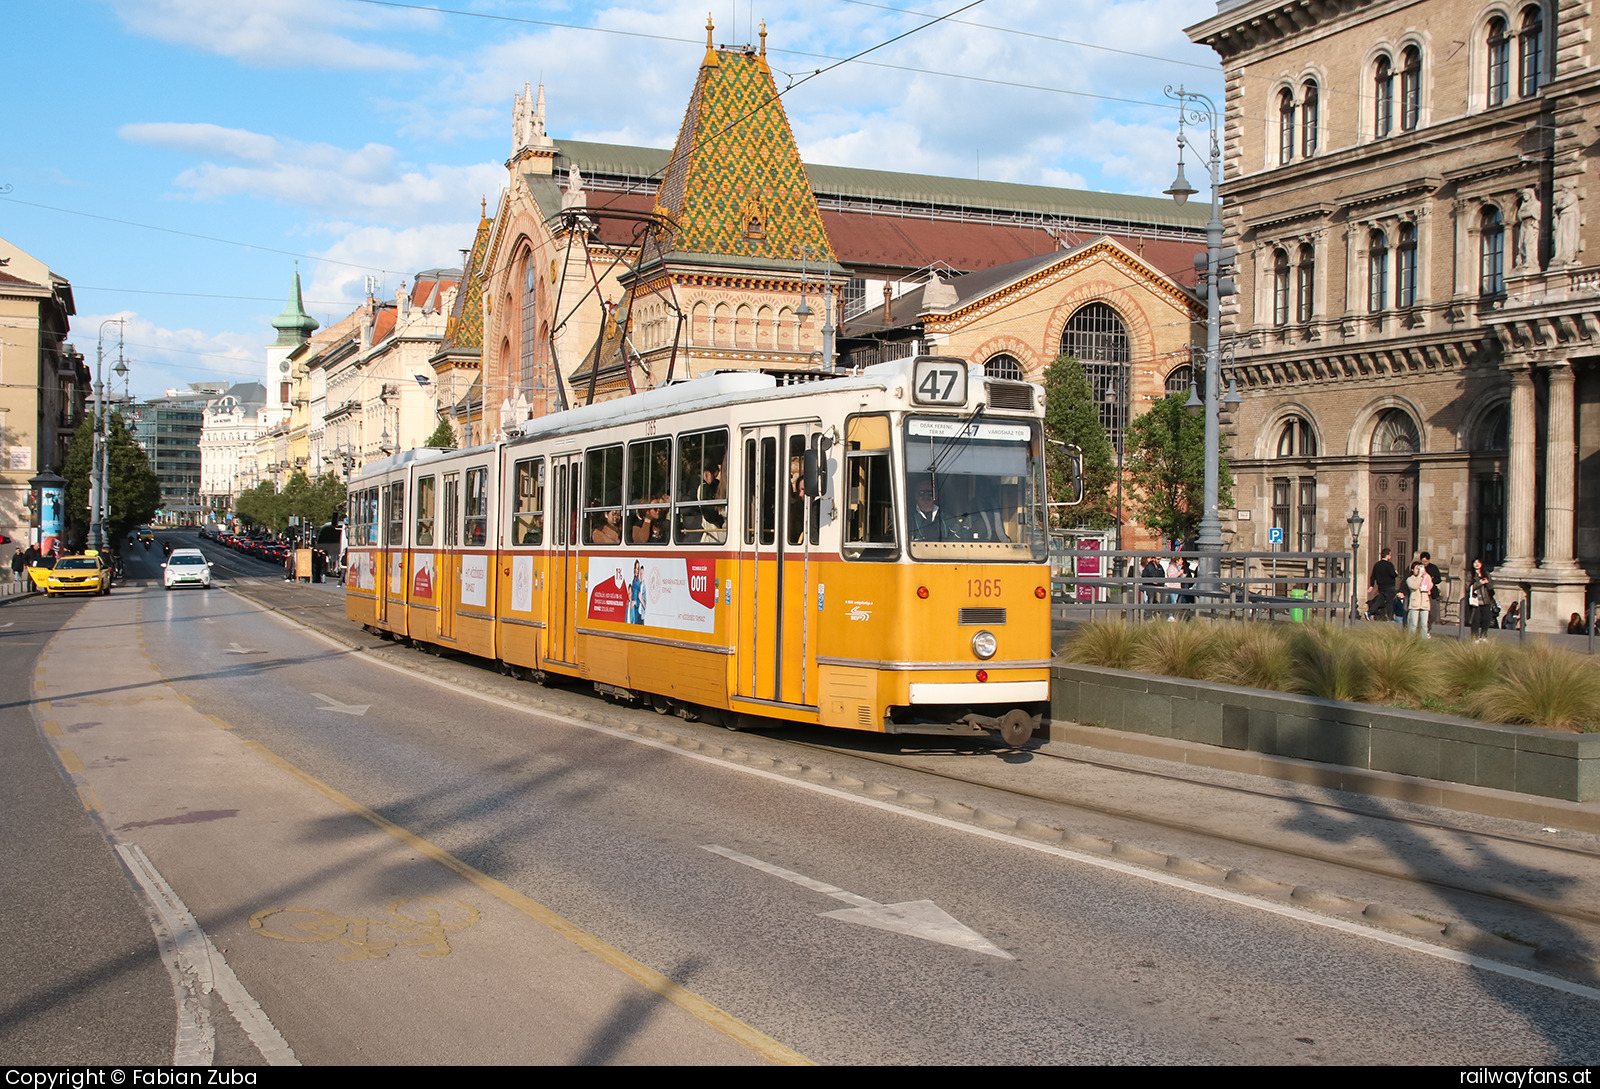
(362,135)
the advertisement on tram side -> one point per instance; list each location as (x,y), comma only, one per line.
(654,592)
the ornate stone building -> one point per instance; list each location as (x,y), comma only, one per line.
(1418,320)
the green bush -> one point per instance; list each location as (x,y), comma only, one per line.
(1253,655)
(1176,650)
(1464,668)
(1400,667)
(1109,644)
(1328,662)
(1542,686)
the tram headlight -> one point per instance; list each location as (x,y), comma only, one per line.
(984,644)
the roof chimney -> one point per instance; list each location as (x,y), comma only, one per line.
(888,297)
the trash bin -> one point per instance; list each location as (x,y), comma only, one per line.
(1297,615)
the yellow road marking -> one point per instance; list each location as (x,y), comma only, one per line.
(69,760)
(43,705)
(217,722)
(724,1022)
(39,686)
(52,728)
(90,800)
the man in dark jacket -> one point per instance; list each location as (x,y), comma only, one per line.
(1435,598)
(1383,578)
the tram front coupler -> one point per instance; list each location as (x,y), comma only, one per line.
(1015,727)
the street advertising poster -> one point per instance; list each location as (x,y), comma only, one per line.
(363,572)
(654,591)
(422,578)
(522,584)
(51,501)
(475,580)
(1088,567)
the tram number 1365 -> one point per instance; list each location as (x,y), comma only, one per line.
(983,587)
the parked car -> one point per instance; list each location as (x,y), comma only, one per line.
(73,575)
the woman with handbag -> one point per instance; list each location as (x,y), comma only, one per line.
(1480,601)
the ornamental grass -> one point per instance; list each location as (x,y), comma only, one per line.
(1177,650)
(1400,667)
(1542,686)
(1108,644)
(1328,662)
(1253,656)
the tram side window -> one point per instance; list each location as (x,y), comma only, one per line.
(527,524)
(649,478)
(869,494)
(602,497)
(795,531)
(452,509)
(369,517)
(477,520)
(425,511)
(395,529)
(761,491)
(702,493)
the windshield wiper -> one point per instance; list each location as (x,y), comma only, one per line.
(935,457)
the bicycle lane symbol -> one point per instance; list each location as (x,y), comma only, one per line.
(311,925)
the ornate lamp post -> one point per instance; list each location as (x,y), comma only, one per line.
(98,453)
(1355,522)
(1197,109)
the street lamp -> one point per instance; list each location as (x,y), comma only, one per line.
(1355,522)
(102,436)
(1197,109)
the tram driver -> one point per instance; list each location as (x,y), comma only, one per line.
(927,524)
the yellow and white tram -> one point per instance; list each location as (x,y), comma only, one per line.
(864,551)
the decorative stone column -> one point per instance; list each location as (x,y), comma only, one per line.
(1520,485)
(1560,472)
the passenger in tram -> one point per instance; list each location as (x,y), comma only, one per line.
(607,528)
(651,527)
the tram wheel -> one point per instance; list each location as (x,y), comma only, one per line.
(1016,727)
(660,705)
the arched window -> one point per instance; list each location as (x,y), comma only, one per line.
(1494,430)
(1181,380)
(1499,85)
(1396,433)
(1307,283)
(1280,287)
(1530,52)
(1492,253)
(1383,98)
(1004,366)
(1308,118)
(1296,439)
(1285,127)
(1377,272)
(1096,337)
(1405,286)
(1410,88)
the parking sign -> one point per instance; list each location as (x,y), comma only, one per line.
(1275,535)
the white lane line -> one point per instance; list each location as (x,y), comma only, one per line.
(919,918)
(197,969)
(1170,880)
(331,704)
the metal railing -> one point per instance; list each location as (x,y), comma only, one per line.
(1264,585)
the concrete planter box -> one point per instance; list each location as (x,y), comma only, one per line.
(1526,759)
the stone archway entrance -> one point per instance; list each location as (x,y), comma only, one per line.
(1393,488)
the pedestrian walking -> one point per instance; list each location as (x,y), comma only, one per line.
(1381,585)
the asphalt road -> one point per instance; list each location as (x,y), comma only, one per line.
(311,806)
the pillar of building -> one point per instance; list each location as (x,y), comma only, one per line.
(1520,484)
(1560,472)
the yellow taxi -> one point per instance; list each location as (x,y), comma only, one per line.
(86,574)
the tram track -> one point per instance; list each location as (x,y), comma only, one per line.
(1255,843)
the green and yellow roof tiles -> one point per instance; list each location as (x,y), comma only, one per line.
(464,329)
(735,185)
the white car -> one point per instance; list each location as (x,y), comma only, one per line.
(186,567)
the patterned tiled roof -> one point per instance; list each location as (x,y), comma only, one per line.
(736,185)
(465,327)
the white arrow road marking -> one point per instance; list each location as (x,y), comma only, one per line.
(341,708)
(918,918)
(7,624)
(235,648)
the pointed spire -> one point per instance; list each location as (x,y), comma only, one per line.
(763,37)
(294,325)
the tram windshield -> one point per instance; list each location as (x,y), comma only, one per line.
(974,490)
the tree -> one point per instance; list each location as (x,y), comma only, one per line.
(1166,466)
(1070,416)
(132,489)
(443,437)
(262,506)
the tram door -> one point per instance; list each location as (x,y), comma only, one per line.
(776,641)
(562,580)
(449,537)
(385,573)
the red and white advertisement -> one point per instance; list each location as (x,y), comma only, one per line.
(654,592)
(422,577)
(1088,567)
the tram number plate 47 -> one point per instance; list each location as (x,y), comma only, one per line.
(939,381)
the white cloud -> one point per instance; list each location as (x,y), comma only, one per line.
(275,33)
(160,358)
(360,183)
(402,252)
